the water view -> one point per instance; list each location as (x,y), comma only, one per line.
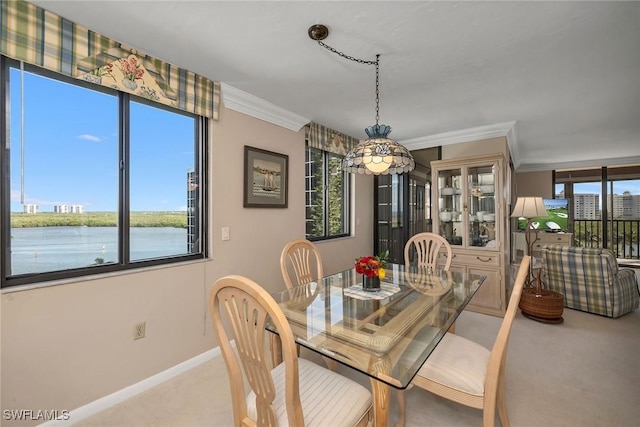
(40,249)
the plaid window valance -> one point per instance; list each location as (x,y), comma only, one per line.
(39,37)
(326,139)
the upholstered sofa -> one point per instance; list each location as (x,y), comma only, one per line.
(590,280)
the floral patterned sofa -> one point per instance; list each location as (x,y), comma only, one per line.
(590,280)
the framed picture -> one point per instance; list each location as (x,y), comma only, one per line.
(266,175)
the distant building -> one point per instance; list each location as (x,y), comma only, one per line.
(30,209)
(624,206)
(586,206)
(61,209)
(192,211)
(619,206)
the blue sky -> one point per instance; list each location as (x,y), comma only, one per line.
(619,187)
(71,150)
(555,203)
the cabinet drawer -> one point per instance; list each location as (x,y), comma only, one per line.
(538,245)
(559,240)
(488,260)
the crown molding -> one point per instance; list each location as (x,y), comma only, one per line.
(585,164)
(506,129)
(251,105)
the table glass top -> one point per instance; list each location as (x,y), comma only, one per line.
(386,334)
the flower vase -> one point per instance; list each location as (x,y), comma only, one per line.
(370,284)
(129,84)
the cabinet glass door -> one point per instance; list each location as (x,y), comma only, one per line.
(450,205)
(482,206)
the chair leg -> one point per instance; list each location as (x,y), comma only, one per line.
(502,408)
(489,416)
(331,364)
(402,407)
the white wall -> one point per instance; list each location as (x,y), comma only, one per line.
(64,346)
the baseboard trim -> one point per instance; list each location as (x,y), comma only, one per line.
(120,396)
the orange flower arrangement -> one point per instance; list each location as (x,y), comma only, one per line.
(372,266)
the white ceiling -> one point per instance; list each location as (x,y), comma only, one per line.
(567,73)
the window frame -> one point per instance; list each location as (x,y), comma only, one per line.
(346,197)
(201,168)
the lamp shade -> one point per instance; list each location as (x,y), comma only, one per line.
(378,155)
(529,207)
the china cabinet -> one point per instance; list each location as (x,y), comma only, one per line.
(469,211)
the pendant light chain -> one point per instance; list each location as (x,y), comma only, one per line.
(361,61)
(377,88)
(378,154)
(344,55)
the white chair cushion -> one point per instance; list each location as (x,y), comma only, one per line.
(457,363)
(328,399)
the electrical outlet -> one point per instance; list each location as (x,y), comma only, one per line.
(139,330)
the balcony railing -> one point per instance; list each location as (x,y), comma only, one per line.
(623,237)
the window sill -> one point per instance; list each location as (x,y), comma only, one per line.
(90,278)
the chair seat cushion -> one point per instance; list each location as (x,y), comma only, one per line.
(328,399)
(457,363)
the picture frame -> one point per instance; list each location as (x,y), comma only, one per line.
(266,176)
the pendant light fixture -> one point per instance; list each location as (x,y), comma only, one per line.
(379,154)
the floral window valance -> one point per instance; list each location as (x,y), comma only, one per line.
(36,36)
(324,138)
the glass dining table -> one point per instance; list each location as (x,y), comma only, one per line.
(388,334)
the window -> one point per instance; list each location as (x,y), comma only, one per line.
(98,180)
(327,198)
(604,216)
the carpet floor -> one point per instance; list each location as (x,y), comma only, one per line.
(584,372)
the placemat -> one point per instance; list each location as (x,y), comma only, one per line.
(386,290)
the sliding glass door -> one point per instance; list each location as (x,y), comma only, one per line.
(623,215)
(605,207)
(402,209)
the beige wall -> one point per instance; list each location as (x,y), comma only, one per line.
(535,184)
(64,346)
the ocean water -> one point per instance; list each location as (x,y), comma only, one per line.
(41,249)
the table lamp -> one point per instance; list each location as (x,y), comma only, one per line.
(529,207)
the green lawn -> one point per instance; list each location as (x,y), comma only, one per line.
(560,216)
(98,219)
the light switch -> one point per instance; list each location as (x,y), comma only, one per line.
(225,233)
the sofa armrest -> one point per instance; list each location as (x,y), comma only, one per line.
(626,295)
(626,277)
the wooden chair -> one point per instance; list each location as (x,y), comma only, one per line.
(466,372)
(297,392)
(304,258)
(427,248)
